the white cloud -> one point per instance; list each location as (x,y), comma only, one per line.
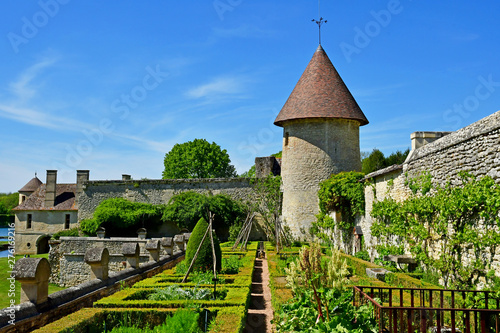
(217,87)
(22,86)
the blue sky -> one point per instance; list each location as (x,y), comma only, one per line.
(111,86)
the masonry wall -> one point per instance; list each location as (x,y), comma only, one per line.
(157,191)
(66,257)
(475,149)
(313,150)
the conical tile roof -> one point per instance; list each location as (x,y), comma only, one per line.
(320,93)
(32,185)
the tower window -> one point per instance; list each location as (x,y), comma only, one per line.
(29,219)
(286,138)
(23,198)
(67,221)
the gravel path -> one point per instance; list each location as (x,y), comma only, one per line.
(260,311)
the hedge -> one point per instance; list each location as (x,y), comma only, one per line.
(227,320)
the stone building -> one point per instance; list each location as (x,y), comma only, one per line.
(320,123)
(45,209)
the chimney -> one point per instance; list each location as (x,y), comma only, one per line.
(81,177)
(50,188)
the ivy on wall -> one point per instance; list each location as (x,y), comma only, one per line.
(343,192)
(454,232)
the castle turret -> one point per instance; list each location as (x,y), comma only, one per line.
(320,123)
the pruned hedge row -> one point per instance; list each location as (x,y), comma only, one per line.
(228,314)
(404,280)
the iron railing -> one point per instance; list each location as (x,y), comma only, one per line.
(431,310)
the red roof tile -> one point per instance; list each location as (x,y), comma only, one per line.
(65,199)
(320,93)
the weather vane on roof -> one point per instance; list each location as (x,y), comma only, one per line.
(320,21)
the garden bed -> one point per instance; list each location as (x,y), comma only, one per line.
(131,305)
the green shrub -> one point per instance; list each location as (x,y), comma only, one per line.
(66,233)
(363,255)
(204,261)
(89,227)
(234,230)
(231,265)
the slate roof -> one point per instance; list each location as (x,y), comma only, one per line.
(320,93)
(65,199)
(32,185)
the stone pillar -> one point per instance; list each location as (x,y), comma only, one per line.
(168,244)
(141,233)
(33,274)
(186,239)
(153,246)
(131,252)
(179,242)
(98,259)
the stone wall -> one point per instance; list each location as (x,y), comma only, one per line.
(312,151)
(475,149)
(157,191)
(66,257)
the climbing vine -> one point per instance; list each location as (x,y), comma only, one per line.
(454,232)
(343,192)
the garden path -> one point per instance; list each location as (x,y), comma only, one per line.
(260,311)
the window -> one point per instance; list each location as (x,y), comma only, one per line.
(29,219)
(23,198)
(286,138)
(67,221)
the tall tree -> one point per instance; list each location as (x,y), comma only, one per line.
(198,159)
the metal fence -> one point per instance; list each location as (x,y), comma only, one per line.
(431,310)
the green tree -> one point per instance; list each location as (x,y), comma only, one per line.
(198,159)
(188,207)
(376,160)
(397,158)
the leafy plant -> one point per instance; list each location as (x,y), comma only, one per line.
(186,208)
(66,233)
(197,159)
(345,193)
(363,255)
(231,264)
(119,213)
(454,222)
(174,292)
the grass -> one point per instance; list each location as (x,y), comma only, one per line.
(5,283)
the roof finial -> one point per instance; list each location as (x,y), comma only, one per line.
(320,21)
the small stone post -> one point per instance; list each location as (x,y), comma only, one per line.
(186,239)
(33,274)
(153,246)
(141,233)
(101,232)
(98,259)
(168,245)
(131,252)
(179,241)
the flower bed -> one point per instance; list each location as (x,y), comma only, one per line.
(131,305)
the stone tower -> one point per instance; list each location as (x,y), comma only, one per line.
(320,123)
